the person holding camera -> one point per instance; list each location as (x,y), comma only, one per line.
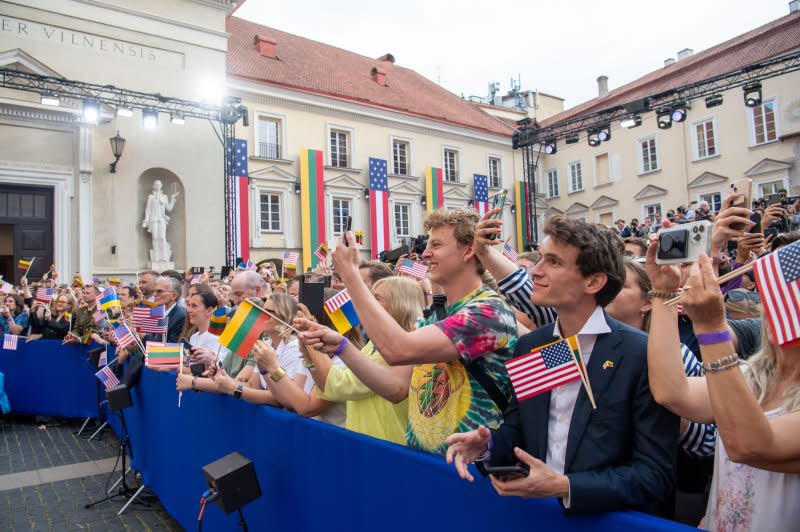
(50,322)
(13,316)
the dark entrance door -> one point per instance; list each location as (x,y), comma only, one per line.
(26,215)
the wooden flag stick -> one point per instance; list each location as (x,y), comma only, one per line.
(584,377)
(29,267)
(741,270)
(508,239)
(273,316)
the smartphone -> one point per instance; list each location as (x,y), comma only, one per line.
(498,202)
(508,472)
(197,270)
(742,186)
(348,224)
(187,347)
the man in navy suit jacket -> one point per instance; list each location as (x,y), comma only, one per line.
(168,292)
(619,456)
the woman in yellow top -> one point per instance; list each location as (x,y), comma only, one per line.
(381,413)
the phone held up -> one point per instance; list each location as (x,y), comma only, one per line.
(348,225)
(498,202)
(684,243)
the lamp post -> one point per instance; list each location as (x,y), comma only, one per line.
(117,146)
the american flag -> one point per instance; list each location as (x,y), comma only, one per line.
(99,315)
(378,205)
(123,335)
(152,325)
(510,252)
(238,205)
(107,377)
(290,260)
(10,342)
(6,288)
(544,368)
(45,295)
(103,360)
(480,191)
(321,252)
(778,279)
(413,268)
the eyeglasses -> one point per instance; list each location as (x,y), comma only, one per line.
(740,295)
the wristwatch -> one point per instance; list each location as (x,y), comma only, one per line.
(237,393)
(277,374)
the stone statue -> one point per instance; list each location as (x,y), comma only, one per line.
(156,221)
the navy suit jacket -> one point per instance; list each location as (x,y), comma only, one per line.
(176,318)
(620,456)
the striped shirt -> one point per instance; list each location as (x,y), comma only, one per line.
(699,438)
(517,287)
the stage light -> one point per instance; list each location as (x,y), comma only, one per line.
(713,101)
(91,110)
(149,118)
(550,147)
(604,133)
(50,98)
(125,111)
(631,122)
(592,139)
(572,139)
(664,119)
(752,94)
(177,119)
(678,113)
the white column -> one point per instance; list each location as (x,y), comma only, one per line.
(85,206)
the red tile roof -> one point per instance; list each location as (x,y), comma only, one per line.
(775,38)
(313,67)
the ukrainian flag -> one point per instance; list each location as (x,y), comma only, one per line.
(342,312)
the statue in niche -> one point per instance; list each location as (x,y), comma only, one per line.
(156,221)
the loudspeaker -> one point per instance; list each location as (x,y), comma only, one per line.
(119,397)
(234,479)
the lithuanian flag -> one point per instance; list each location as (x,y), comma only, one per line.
(520,199)
(219,319)
(244,328)
(23,264)
(161,355)
(433,188)
(312,203)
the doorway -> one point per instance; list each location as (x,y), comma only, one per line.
(26,230)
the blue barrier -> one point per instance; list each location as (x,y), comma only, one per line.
(46,378)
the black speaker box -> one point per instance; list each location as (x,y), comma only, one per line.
(119,397)
(234,478)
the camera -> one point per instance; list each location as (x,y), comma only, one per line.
(683,243)
(410,245)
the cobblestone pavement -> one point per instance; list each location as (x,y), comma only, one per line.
(47,475)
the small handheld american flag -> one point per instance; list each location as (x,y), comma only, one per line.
(45,295)
(321,252)
(10,342)
(107,377)
(544,368)
(778,279)
(511,253)
(413,268)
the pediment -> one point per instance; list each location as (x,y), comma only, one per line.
(650,191)
(604,202)
(344,182)
(405,188)
(767,166)
(707,178)
(576,208)
(17,59)
(457,194)
(274,173)
(552,211)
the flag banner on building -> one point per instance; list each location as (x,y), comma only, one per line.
(123,335)
(10,342)
(434,193)
(290,262)
(107,377)
(520,199)
(109,299)
(219,319)
(45,295)
(162,355)
(238,229)
(778,279)
(510,252)
(312,203)
(480,194)
(378,206)
(244,328)
(342,312)
(544,368)
(321,253)
(413,268)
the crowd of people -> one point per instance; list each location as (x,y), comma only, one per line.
(678,389)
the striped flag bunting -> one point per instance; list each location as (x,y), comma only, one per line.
(413,268)
(342,312)
(244,328)
(312,203)
(10,342)
(219,319)
(45,295)
(162,355)
(107,377)
(433,188)
(510,252)
(544,368)
(778,279)
(123,335)
(378,205)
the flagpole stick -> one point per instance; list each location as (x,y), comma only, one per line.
(584,380)
(273,316)
(180,372)
(741,270)
(29,267)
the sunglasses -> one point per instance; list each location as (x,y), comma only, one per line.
(740,295)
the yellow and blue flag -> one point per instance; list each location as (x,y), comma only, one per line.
(342,312)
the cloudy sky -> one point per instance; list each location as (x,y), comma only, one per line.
(556,47)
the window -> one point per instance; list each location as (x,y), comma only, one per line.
(653,211)
(451,166)
(771,187)
(402,224)
(706,139)
(494,172)
(268,140)
(714,200)
(764,122)
(575,176)
(340,155)
(552,183)
(400,152)
(649,152)
(602,175)
(270,213)
(341,210)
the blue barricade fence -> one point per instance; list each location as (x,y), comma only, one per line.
(313,476)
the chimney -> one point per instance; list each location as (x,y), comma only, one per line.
(669,61)
(378,75)
(266,46)
(686,52)
(602,86)
(794,6)
(387,58)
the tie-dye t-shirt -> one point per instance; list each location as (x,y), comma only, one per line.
(444,398)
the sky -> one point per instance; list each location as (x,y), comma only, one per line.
(557,47)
